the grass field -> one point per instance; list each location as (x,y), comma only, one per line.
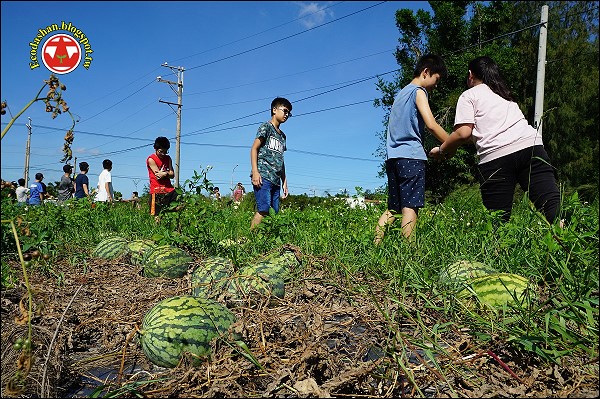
(559,322)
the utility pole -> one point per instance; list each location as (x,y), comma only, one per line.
(179,70)
(27,150)
(541,71)
(232,172)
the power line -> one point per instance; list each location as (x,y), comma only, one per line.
(121,88)
(295,101)
(270,98)
(235,41)
(129,135)
(264,31)
(493,39)
(288,75)
(119,102)
(287,37)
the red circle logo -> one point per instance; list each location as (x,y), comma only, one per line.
(61,53)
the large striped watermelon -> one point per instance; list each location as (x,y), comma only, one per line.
(167,261)
(139,249)
(254,279)
(497,289)
(280,263)
(464,270)
(182,324)
(111,248)
(210,277)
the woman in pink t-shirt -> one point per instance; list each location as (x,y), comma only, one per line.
(510,150)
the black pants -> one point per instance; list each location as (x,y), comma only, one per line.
(530,168)
(159,202)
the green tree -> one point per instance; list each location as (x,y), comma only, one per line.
(570,119)
(458,31)
(509,33)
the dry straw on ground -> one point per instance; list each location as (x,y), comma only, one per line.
(324,339)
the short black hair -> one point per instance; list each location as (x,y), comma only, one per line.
(162,143)
(67,168)
(107,163)
(277,101)
(434,63)
(84,166)
(21,182)
(39,176)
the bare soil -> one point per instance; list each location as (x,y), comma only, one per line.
(324,339)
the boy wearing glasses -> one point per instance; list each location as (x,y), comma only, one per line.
(160,172)
(266,158)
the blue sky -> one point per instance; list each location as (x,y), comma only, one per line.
(237,57)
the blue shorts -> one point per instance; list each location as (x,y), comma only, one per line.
(406,183)
(267,196)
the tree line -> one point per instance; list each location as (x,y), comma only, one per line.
(508,32)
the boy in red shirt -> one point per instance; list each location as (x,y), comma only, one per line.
(160,172)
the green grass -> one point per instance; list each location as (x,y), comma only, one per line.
(561,263)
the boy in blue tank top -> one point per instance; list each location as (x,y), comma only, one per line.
(406,157)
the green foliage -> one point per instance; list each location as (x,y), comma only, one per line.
(562,264)
(460,31)
(570,120)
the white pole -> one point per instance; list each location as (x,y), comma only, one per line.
(27,153)
(541,71)
(178,132)
(232,186)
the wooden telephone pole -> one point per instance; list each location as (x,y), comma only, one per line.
(179,92)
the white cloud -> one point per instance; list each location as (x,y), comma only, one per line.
(84,151)
(313,14)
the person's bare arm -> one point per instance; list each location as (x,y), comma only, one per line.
(425,111)
(256,177)
(157,172)
(461,135)
(284,182)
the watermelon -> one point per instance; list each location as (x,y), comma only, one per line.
(256,279)
(167,261)
(464,270)
(111,248)
(496,289)
(182,324)
(139,249)
(279,264)
(210,277)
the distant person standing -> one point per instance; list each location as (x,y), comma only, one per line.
(82,182)
(12,190)
(135,200)
(160,173)
(36,190)
(66,187)
(105,187)
(238,193)
(216,194)
(266,157)
(21,192)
